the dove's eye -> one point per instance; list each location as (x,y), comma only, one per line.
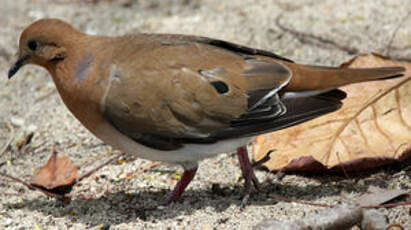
(33,45)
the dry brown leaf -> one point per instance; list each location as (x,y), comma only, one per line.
(57,175)
(372,128)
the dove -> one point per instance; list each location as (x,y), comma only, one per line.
(180,98)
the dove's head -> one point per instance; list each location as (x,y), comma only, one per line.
(45,42)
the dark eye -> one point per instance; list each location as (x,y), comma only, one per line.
(33,45)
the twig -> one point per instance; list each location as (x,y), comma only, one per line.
(278,197)
(145,169)
(31,187)
(266,158)
(52,92)
(340,217)
(390,205)
(55,195)
(87,174)
(320,42)
(21,148)
(399,57)
(343,216)
(389,45)
(58,196)
(6,146)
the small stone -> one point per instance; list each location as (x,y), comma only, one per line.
(17,121)
(8,221)
(31,128)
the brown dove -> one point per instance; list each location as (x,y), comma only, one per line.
(178,98)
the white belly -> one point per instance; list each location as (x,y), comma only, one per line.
(190,153)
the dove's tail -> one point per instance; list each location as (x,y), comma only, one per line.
(317,78)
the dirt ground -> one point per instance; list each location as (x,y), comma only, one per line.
(29,103)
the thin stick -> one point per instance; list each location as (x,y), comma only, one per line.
(278,197)
(390,205)
(54,195)
(4,149)
(145,169)
(87,174)
(31,187)
(266,158)
(304,38)
(389,45)
(52,92)
(343,216)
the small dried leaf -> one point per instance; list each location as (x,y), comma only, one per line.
(372,128)
(58,172)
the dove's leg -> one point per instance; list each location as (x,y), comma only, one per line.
(178,190)
(248,174)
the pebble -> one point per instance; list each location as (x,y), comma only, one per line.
(17,121)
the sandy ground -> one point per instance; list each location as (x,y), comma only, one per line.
(30,103)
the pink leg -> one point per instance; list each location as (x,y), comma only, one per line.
(248,174)
(178,190)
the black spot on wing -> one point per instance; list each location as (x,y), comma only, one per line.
(220,87)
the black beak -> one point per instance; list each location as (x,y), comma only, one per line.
(16,66)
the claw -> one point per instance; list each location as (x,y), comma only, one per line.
(248,174)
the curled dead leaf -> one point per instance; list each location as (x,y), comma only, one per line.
(372,128)
(58,175)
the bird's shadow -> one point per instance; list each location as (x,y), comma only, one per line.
(122,207)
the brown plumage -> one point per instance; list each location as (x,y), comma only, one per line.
(179,98)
